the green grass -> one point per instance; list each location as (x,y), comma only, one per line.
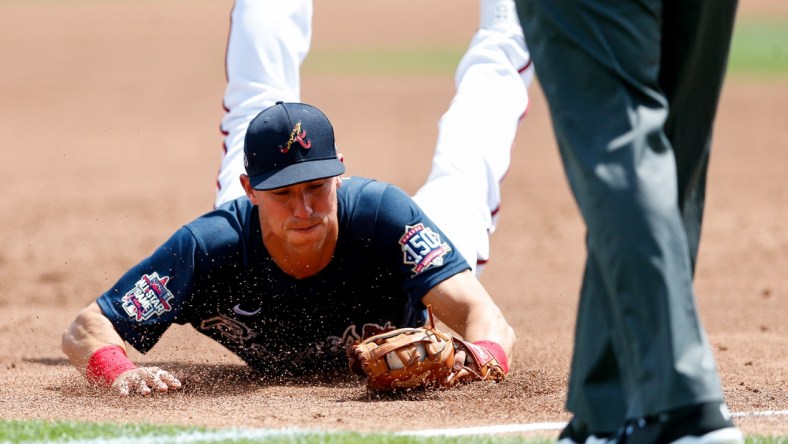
(67,431)
(59,431)
(759,48)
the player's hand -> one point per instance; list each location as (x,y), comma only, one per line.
(144,381)
(460,367)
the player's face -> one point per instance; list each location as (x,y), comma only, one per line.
(301,218)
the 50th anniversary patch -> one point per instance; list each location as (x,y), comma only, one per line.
(149,297)
(422,247)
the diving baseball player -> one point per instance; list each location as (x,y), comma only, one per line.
(303,263)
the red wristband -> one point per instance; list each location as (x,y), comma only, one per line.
(106,364)
(496,350)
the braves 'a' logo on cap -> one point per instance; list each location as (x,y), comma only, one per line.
(296,135)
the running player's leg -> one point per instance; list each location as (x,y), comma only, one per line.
(268,41)
(476,134)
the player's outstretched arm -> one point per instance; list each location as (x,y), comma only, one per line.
(94,347)
(463,304)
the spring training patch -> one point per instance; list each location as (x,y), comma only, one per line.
(422,247)
(149,297)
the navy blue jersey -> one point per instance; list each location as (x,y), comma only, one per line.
(215,274)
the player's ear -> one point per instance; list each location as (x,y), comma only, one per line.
(248,188)
(338,181)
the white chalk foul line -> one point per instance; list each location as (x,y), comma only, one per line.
(259,434)
(489,430)
(764,413)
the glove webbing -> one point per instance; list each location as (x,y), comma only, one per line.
(399,343)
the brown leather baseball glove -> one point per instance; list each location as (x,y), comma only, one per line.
(420,358)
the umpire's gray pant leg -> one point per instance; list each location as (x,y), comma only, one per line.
(695,51)
(598,64)
(599,383)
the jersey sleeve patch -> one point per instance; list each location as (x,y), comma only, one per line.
(149,297)
(422,247)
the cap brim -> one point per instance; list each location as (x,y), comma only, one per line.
(298,173)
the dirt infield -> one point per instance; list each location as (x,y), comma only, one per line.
(111,142)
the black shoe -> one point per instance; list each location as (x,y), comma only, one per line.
(577,433)
(699,424)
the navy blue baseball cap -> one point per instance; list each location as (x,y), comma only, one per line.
(290,143)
